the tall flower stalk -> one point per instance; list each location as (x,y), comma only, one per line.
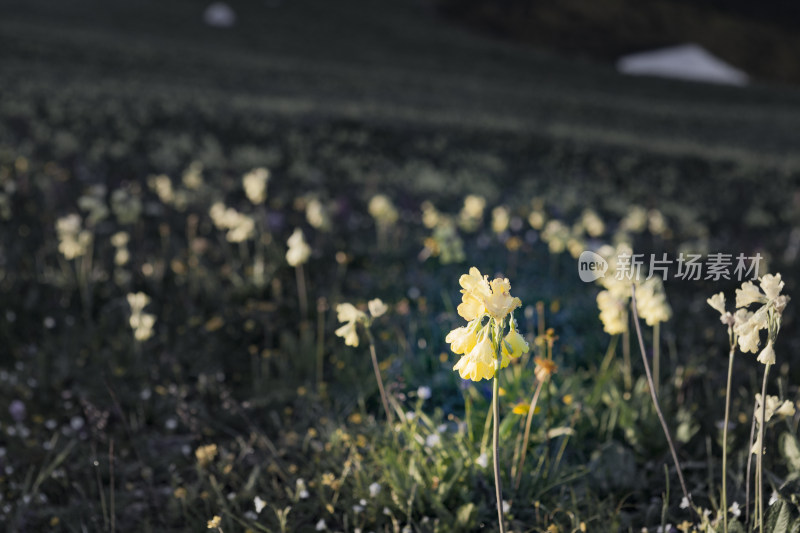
(744,327)
(718,302)
(654,396)
(351,317)
(484,350)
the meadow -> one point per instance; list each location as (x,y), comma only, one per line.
(176,250)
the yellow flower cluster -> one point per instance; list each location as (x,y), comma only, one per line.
(475,341)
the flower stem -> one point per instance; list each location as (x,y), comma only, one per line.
(302,294)
(496,449)
(657,356)
(626,357)
(725,443)
(531,410)
(749,465)
(759,472)
(655,397)
(377,370)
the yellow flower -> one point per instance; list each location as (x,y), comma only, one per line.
(479,363)
(480,297)
(521,408)
(475,290)
(463,339)
(214,522)
(500,302)
(517,343)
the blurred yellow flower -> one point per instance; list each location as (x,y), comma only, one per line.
(299,251)
(214,522)
(255,185)
(382,210)
(205,454)
(348,314)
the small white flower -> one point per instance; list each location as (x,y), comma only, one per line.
(411,415)
(773,498)
(684,503)
(259,503)
(432,440)
(321,526)
(424,393)
(374,490)
(735,510)
(482,460)
(506,506)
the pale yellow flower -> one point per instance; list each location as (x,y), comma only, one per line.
(377,307)
(718,302)
(479,363)
(592,223)
(214,522)
(463,340)
(162,186)
(767,355)
(513,346)
(348,314)
(771,285)
(613,313)
(749,340)
(299,251)
(255,185)
(635,220)
(749,294)
(500,302)
(651,302)
(382,210)
(500,219)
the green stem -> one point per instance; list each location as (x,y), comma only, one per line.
(725,442)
